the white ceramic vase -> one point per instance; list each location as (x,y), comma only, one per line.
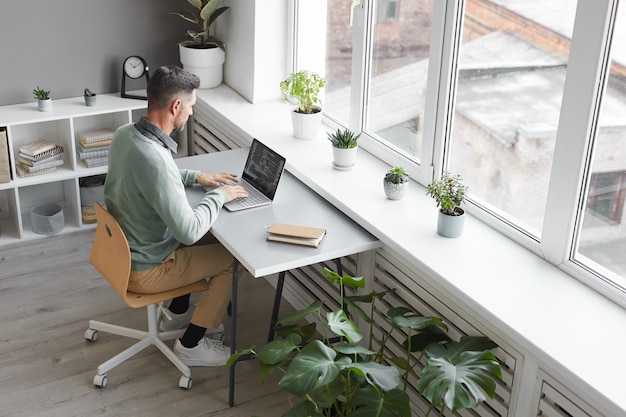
(306,126)
(206,63)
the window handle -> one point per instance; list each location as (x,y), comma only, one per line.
(354,5)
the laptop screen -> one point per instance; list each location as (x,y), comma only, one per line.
(263,168)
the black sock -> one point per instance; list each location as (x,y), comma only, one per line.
(180,304)
(192,336)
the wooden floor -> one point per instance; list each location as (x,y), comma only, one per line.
(48,294)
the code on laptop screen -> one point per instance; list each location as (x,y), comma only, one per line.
(264,168)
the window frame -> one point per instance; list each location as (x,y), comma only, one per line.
(585,84)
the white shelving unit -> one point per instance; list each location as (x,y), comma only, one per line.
(24,123)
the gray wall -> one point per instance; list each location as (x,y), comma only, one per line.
(67,45)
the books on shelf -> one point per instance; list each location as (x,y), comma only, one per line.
(95,136)
(38,157)
(40,162)
(99,152)
(19,168)
(37,148)
(297,235)
(57,150)
(95,162)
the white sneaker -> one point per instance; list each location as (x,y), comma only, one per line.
(208,352)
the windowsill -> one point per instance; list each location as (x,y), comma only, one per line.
(521,299)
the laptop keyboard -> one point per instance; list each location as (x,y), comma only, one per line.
(254,196)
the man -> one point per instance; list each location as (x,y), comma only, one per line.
(169,240)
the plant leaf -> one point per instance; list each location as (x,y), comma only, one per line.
(368,402)
(300,314)
(188,16)
(275,351)
(459,384)
(312,367)
(453,349)
(384,376)
(348,349)
(426,337)
(341,325)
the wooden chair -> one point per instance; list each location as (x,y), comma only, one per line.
(110,255)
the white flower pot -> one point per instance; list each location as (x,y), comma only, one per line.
(306,126)
(451,226)
(205,63)
(44,105)
(344,158)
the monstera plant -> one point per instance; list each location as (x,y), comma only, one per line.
(338,371)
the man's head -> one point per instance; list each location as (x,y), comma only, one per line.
(173,90)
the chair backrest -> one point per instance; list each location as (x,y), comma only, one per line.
(110,253)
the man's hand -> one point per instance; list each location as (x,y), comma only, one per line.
(216,180)
(233,191)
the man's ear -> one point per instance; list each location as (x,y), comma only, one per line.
(175,106)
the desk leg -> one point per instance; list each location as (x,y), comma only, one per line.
(278,295)
(233,333)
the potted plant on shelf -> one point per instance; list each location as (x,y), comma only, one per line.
(339,371)
(44,102)
(395,183)
(449,192)
(345,144)
(202,53)
(304,86)
(90,97)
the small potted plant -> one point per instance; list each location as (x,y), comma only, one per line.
(44,102)
(345,144)
(395,183)
(449,192)
(90,97)
(200,52)
(304,86)
(340,371)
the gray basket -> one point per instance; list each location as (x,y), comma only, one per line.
(47,219)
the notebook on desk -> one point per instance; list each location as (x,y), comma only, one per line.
(260,177)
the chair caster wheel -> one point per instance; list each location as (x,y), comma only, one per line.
(100,380)
(91,335)
(185,382)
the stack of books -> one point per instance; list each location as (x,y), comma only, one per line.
(93,147)
(39,157)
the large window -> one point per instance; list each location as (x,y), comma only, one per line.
(492,90)
(511,72)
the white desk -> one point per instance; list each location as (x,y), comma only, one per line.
(243,233)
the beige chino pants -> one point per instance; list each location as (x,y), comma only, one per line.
(206,259)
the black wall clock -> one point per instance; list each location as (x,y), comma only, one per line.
(134,67)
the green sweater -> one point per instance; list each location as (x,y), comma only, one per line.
(145,192)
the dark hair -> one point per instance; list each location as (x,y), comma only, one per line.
(168,83)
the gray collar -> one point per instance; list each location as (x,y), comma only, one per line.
(152,132)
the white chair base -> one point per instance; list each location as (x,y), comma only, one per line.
(152,337)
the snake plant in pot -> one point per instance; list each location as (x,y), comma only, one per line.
(201,52)
(340,370)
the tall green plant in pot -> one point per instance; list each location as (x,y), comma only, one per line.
(340,371)
(449,192)
(304,86)
(201,52)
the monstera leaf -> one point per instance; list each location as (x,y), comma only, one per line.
(456,377)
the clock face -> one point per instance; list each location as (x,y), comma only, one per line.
(135,66)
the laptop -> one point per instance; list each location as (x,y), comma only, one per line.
(260,177)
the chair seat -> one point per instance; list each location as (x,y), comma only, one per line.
(137,300)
